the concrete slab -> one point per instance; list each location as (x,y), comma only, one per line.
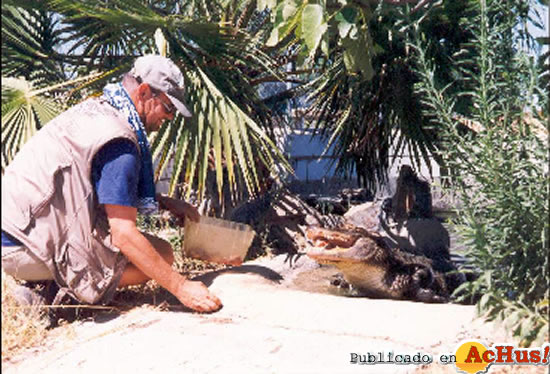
(264,327)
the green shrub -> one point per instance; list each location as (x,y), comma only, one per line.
(496,155)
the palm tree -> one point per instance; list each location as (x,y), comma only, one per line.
(208,41)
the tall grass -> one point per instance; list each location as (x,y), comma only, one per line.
(497,156)
(22,327)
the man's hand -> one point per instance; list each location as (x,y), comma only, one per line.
(179,208)
(196,296)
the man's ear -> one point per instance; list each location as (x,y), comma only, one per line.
(144,91)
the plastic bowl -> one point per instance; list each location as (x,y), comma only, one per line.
(217,240)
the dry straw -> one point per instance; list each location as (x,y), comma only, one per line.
(21,327)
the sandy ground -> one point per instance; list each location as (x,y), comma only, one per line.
(265,326)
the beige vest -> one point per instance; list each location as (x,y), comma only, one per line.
(49,204)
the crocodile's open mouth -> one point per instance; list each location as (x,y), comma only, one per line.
(328,239)
(333,254)
(335,246)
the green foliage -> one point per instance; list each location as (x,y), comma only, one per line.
(373,117)
(29,38)
(323,29)
(498,161)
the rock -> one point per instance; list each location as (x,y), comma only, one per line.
(421,236)
(365,216)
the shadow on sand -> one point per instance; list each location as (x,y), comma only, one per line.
(262,271)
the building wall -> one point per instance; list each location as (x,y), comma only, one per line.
(314,166)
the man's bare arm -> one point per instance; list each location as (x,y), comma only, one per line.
(142,254)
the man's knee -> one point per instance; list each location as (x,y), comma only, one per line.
(166,251)
(20,263)
(163,247)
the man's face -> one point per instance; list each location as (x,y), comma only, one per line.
(157,108)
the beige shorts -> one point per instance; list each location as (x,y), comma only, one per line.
(20,263)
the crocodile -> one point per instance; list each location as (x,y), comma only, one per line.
(375,269)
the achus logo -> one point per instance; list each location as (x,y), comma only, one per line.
(473,357)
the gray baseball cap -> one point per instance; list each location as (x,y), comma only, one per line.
(163,75)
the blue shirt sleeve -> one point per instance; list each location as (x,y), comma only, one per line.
(8,240)
(115,173)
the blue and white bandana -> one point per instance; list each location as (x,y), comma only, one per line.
(118,97)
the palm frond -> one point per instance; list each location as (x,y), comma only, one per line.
(23,113)
(218,124)
(29,39)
